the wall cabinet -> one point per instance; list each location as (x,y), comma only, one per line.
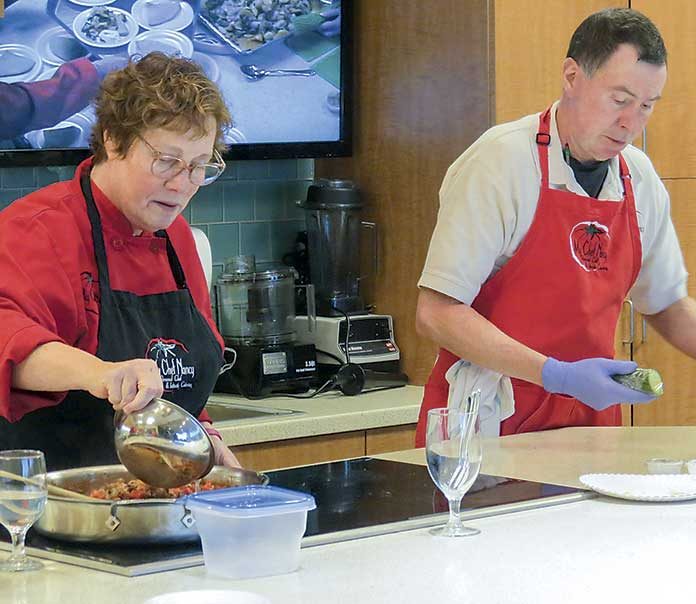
(671,145)
(671,140)
(318,449)
(677,407)
(531,40)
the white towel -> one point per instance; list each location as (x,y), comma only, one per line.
(497,399)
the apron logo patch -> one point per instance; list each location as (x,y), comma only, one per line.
(174,363)
(90,292)
(589,245)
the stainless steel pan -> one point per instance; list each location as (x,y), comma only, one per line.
(133,521)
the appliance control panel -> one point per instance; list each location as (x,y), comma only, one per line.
(274,363)
(370,338)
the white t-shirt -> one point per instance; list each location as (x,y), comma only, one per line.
(487,203)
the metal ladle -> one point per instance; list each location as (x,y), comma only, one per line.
(163,444)
(254,72)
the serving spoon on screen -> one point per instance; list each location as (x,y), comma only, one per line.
(254,72)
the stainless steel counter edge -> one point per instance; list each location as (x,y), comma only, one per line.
(438,519)
(326,414)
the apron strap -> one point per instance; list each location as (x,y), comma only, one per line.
(177,269)
(543,140)
(97,233)
(100,248)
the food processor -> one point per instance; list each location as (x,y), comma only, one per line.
(256,317)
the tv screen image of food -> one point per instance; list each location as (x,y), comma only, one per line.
(277,63)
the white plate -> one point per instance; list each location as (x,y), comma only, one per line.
(643,487)
(181,21)
(81,19)
(92,2)
(43,46)
(168,42)
(209,596)
(208,64)
(27,52)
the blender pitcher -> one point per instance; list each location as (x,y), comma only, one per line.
(333,232)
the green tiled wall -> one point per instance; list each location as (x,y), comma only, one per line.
(250,209)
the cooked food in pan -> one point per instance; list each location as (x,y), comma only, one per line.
(121,489)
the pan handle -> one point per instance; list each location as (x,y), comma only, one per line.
(113,521)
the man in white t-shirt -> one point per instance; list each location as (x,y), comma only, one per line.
(545,226)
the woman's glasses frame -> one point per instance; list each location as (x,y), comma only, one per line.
(169,166)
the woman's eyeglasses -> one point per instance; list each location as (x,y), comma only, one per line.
(168,166)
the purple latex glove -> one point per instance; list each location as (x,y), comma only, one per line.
(332,25)
(590,381)
(107,64)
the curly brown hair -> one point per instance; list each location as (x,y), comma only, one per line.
(156,91)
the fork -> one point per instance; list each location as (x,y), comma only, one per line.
(462,470)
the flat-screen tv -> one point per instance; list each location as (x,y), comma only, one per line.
(283,66)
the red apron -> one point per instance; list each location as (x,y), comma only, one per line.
(560,294)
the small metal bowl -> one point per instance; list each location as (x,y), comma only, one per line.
(163,444)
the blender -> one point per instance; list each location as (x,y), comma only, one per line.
(347,333)
(256,317)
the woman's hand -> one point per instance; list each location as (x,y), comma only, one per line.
(128,385)
(57,367)
(223,455)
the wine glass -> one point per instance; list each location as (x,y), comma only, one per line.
(22,499)
(453,451)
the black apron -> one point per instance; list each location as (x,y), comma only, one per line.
(165,327)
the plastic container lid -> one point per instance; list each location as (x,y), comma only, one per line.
(252,501)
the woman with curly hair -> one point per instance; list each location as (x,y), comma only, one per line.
(103,300)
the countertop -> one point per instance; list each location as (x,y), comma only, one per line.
(561,456)
(328,413)
(597,550)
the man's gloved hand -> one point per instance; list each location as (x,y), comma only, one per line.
(107,64)
(332,25)
(590,381)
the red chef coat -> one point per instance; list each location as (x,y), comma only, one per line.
(49,285)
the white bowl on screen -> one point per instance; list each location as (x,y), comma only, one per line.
(162,14)
(92,2)
(105,37)
(19,63)
(57,46)
(209,596)
(208,64)
(171,43)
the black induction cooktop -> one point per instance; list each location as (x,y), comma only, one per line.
(352,494)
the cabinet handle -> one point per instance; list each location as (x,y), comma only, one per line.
(631,328)
(644,332)
(644,142)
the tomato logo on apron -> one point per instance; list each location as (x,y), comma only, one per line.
(174,363)
(589,245)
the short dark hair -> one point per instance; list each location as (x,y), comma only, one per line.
(598,37)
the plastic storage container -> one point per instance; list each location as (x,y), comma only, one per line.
(251,531)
